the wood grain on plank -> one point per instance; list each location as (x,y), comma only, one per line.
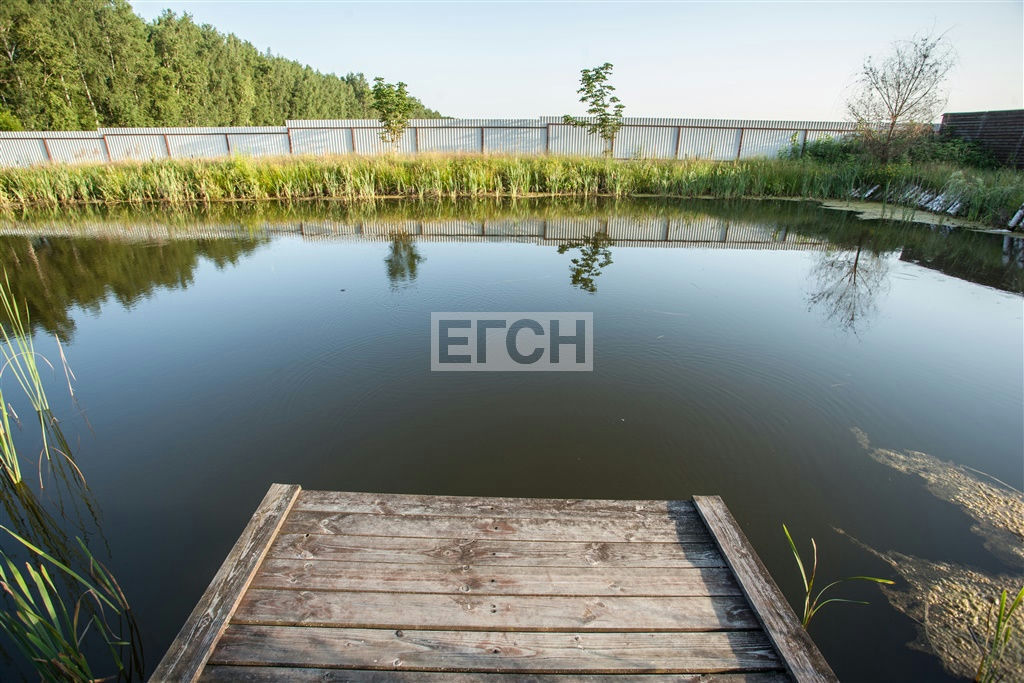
(802,658)
(496,651)
(657,530)
(465,579)
(266,674)
(469,506)
(497,613)
(494,552)
(191,648)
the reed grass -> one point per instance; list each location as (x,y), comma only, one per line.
(990,196)
(813,602)
(997,636)
(52,636)
(21,360)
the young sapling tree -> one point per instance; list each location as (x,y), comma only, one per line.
(604,107)
(394,108)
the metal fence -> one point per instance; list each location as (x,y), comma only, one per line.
(703,232)
(649,138)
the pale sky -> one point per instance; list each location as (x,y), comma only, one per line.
(758,60)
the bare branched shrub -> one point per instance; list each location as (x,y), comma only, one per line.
(899,96)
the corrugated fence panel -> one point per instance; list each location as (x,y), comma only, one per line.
(259,144)
(136,147)
(530,227)
(639,138)
(718,144)
(386,229)
(22,152)
(637,229)
(1001,132)
(78,150)
(194,130)
(453,227)
(766,143)
(368,142)
(570,140)
(450,140)
(515,140)
(321,141)
(574,228)
(704,230)
(645,142)
(198,146)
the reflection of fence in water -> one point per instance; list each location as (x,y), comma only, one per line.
(715,139)
(706,232)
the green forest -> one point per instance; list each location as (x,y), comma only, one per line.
(85,64)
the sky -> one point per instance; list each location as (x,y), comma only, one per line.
(756,60)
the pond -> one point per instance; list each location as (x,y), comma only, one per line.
(745,349)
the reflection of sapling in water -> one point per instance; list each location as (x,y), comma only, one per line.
(594,255)
(402,260)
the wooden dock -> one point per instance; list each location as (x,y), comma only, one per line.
(330,586)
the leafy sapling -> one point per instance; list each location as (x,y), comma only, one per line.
(604,108)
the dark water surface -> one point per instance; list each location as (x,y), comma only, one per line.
(736,346)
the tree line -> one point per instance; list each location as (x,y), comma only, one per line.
(84,64)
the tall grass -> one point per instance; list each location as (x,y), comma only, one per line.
(997,636)
(991,196)
(814,602)
(52,636)
(21,360)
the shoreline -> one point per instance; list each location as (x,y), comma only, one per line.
(944,195)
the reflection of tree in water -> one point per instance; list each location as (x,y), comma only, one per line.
(54,275)
(847,283)
(403,260)
(594,255)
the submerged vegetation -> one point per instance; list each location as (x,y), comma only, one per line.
(966,616)
(989,196)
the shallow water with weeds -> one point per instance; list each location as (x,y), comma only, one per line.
(737,344)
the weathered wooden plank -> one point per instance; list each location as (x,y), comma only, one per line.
(469,580)
(266,674)
(197,638)
(496,651)
(493,613)
(799,653)
(494,552)
(421,526)
(470,506)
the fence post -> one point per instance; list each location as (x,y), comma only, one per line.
(739,146)
(547,138)
(46,146)
(803,145)
(227,141)
(288,131)
(353,132)
(167,146)
(679,141)
(416,139)
(106,146)
(481,139)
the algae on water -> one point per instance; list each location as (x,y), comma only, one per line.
(954,605)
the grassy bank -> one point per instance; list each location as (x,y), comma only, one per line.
(989,196)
